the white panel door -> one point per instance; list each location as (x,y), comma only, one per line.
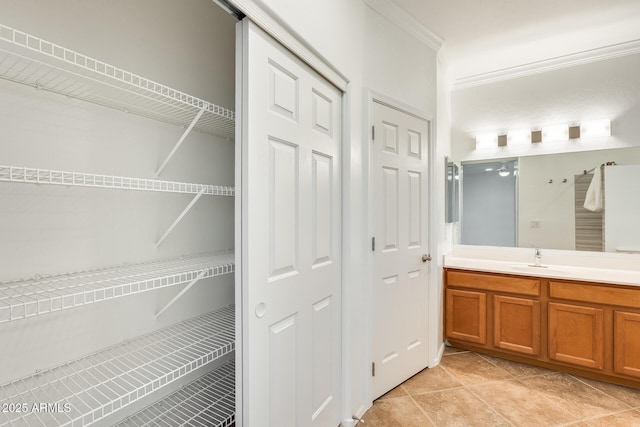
(400,287)
(291,238)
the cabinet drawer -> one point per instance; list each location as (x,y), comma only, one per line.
(598,294)
(490,282)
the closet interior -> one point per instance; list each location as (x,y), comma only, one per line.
(117,214)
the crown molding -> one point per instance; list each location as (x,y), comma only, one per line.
(593,55)
(408,23)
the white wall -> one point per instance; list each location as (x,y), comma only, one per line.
(49,229)
(446,234)
(374,55)
(604,89)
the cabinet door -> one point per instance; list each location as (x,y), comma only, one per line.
(626,341)
(516,324)
(576,335)
(466,316)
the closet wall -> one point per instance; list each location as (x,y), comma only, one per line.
(47,229)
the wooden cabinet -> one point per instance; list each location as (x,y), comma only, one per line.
(481,305)
(626,343)
(576,335)
(516,324)
(580,327)
(467,319)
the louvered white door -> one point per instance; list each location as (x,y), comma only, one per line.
(291,238)
(400,288)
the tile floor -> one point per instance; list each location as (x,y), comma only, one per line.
(469,389)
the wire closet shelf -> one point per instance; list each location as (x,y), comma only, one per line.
(38,295)
(19,174)
(207,402)
(44,65)
(93,387)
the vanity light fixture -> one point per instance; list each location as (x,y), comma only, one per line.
(555,133)
(536,136)
(486,140)
(594,128)
(574,132)
(518,137)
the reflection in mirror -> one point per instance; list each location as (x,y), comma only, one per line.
(540,201)
(489,203)
(452,192)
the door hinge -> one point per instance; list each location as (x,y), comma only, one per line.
(373,369)
(373,133)
(373,243)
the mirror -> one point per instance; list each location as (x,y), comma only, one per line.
(538,201)
(452,191)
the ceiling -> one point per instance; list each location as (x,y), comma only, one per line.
(481,36)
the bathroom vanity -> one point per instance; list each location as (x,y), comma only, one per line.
(567,318)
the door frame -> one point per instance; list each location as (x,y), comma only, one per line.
(434,302)
(263,18)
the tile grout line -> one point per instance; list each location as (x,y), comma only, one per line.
(577,378)
(513,378)
(466,387)
(419,407)
(488,405)
(578,419)
(580,379)
(597,417)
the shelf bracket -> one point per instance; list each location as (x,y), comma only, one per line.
(182,138)
(184,212)
(182,292)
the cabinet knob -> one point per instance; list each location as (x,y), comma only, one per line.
(426,257)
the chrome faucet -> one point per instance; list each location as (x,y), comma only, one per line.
(537,258)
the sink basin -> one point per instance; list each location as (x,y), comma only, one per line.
(539,270)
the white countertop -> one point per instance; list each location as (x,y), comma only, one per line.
(557,267)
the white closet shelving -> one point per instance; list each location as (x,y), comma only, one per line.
(45,294)
(99,384)
(86,390)
(207,402)
(45,176)
(44,65)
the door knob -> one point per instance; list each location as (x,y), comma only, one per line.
(426,257)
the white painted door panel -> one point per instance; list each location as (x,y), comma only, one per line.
(400,288)
(291,238)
